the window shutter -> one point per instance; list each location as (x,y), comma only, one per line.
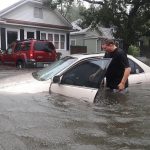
(21,34)
(3,39)
(67,41)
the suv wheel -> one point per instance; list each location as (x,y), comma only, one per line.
(20,65)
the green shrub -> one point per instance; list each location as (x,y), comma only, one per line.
(134,50)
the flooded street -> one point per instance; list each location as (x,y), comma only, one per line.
(40,121)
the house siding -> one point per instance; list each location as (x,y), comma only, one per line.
(91,45)
(79,39)
(26,13)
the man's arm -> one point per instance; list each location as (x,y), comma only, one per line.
(93,76)
(121,85)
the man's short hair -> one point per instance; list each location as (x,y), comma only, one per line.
(109,42)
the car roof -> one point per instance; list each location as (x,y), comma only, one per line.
(84,56)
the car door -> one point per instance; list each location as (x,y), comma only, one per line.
(8,56)
(137,75)
(75,82)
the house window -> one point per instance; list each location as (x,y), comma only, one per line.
(62,41)
(50,37)
(43,36)
(72,42)
(38,12)
(56,41)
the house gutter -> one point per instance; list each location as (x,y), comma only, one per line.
(37,25)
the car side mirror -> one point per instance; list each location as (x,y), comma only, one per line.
(56,79)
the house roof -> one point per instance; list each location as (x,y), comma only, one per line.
(82,31)
(106,32)
(103,33)
(75,25)
(22,2)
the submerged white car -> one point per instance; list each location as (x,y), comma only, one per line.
(70,76)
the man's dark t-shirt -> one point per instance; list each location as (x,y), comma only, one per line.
(116,68)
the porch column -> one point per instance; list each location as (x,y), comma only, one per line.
(3,38)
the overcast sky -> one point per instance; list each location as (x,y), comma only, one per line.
(6,3)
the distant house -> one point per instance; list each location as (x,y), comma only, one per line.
(91,38)
(30,19)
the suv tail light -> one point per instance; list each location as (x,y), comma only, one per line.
(31,55)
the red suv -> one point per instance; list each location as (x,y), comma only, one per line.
(35,53)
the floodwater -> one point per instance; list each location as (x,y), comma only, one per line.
(40,121)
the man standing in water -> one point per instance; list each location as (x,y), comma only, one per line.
(118,71)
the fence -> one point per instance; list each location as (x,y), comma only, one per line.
(78,49)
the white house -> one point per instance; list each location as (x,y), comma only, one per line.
(31,19)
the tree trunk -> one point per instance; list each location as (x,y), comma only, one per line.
(125,46)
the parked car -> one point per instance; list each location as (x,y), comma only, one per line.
(70,75)
(31,52)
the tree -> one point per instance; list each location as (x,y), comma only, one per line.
(63,6)
(69,8)
(129,17)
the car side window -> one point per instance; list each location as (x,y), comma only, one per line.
(18,46)
(135,68)
(26,46)
(80,74)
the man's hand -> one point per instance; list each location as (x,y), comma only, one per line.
(92,77)
(121,86)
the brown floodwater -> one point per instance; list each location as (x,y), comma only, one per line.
(40,121)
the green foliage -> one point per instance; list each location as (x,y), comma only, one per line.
(63,6)
(134,50)
(130,22)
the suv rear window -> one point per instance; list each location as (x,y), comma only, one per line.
(44,46)
(18,46)
(26,46)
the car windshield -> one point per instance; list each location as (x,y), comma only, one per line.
(53,69)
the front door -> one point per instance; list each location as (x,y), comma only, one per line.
(76,82)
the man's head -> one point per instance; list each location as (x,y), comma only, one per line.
(110,45)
